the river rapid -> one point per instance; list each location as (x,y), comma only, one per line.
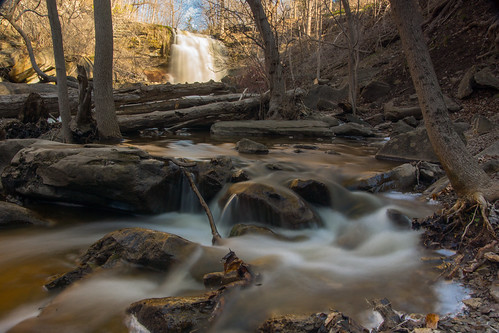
(358,255)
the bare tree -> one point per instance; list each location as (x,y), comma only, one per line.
(107,122)
(468,179)
(60,67)
(272,61)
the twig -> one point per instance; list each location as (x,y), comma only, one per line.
(468,225)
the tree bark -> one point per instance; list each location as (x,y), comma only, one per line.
(272,62)
(60,68)
(353,56)
(107,123)
(467,178)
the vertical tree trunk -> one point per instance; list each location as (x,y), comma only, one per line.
(353,55)
(467,178)
(60,68)
(107,123)
(310,11)
(272,61)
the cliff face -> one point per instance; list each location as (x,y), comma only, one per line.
(141,53)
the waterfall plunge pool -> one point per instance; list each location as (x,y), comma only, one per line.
(339,266)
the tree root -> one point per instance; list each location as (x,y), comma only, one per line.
(476,199)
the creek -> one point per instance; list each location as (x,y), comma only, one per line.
(358,255)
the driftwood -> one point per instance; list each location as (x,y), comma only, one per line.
(140,93)
(198,115)
(178,103)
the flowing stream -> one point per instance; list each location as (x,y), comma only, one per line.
(358,255)
(196,58)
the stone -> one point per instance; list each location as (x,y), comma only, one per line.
(298,128)
(465,88)
(481,125)
(311,190)
(322,94)
(352,130)
(398,108)
(398,219)
(150,249)
(401,178)
(13,216)
(375,90)
(269,205)
(401,127)
(411,146)
(494,290)
(247,146)
(474,303)
(411,121)
(485,78)
(212,175)
(239,176)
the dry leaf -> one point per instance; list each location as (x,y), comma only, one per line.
(432,320)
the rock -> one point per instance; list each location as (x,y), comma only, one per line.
(311,190)
(298,128)
(376,119)
(482,125)
(494,290)
(467,83)
(474,303)
(411,121)
(352,130)
(485,78)
(401,178)
(242,229)
(270,205)
(212,175)
(14,215)
(320,322)
(411,146)
(9,148)
(22,71)
(219,279)
(375,90)
(123,178)
(328,119)
(149,249)
(399,220)
(401,127)
(174,314)
(429,173)
(239,176)
(247,146)
(322,94)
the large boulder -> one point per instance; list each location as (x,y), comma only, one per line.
(411,146)
(267,204)
(401,178)
(299,128)
(321,95)
(375,90)
(312,190)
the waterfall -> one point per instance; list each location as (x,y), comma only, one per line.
(196,58)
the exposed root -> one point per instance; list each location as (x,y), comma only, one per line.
(483,209)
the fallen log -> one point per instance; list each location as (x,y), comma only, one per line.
(140,93)
(12,105)
(204,115)
(177,103)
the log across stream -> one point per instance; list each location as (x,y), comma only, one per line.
(350,259)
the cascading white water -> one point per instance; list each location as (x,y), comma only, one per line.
(196,58)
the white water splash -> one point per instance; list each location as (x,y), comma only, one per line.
(196,58)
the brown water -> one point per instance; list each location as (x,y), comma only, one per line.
(352,259)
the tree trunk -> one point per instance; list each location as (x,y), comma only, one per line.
(467,178)
(107,123)
(272,62)
(352,38)
(60,68)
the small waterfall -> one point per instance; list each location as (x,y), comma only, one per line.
(196,58)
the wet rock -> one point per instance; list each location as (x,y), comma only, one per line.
(352,129)
(174,314)
(247,146)
(123,178)
(241,229)
(13,215)
(299,128)
(401,178)
(218,279)
(399,220)
(311,190)
(239,176)
(375,90)
(212,175)
(150,249)
(334,322)
(270,205)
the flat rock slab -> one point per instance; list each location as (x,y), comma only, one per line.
(302,128)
